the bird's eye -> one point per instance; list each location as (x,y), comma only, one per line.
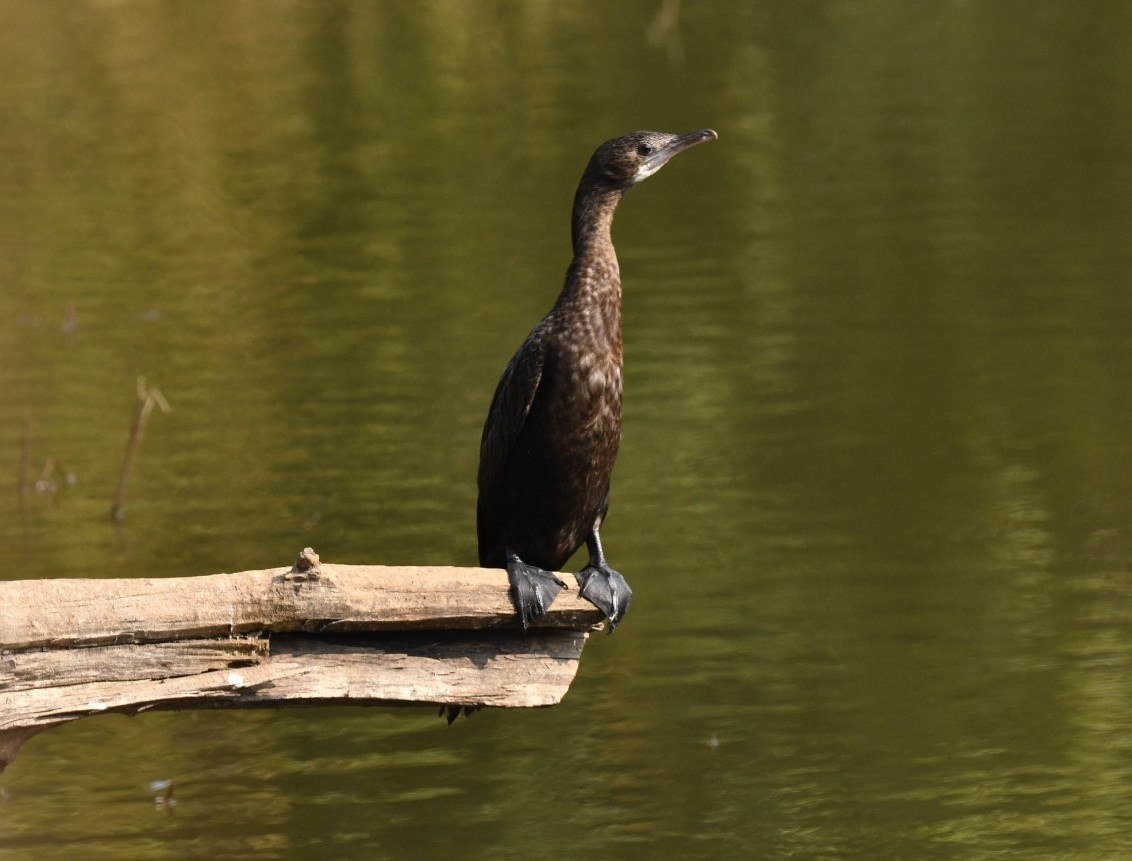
(644,149)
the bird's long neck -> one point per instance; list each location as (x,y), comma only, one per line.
(594,206)
(593,282)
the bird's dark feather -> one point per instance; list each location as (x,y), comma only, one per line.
(509,409)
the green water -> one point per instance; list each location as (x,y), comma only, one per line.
(873,496)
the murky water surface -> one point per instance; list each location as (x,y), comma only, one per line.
(874,492)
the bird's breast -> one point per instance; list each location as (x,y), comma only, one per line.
(588,411)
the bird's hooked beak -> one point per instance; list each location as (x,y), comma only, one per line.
(654,162)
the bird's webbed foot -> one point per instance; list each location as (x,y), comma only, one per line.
(603,587)
(533,590)
(607,590)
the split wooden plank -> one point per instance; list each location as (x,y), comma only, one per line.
(509,670)
(58,668)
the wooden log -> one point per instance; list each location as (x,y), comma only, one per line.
(314,634)
(337,598)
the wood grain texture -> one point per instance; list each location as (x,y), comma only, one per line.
(333,599)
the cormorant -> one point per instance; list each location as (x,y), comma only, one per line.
(554,425)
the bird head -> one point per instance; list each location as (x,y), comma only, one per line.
(625,161)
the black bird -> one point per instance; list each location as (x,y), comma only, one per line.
(554,426)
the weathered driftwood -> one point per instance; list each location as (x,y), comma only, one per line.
(336,599)
(333,634)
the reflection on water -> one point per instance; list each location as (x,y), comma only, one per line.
(871,493)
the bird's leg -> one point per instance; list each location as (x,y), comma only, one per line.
(533,590)
(605,588)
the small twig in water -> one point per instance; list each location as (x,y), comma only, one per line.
(146,399)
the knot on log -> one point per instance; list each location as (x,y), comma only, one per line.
(306,566)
